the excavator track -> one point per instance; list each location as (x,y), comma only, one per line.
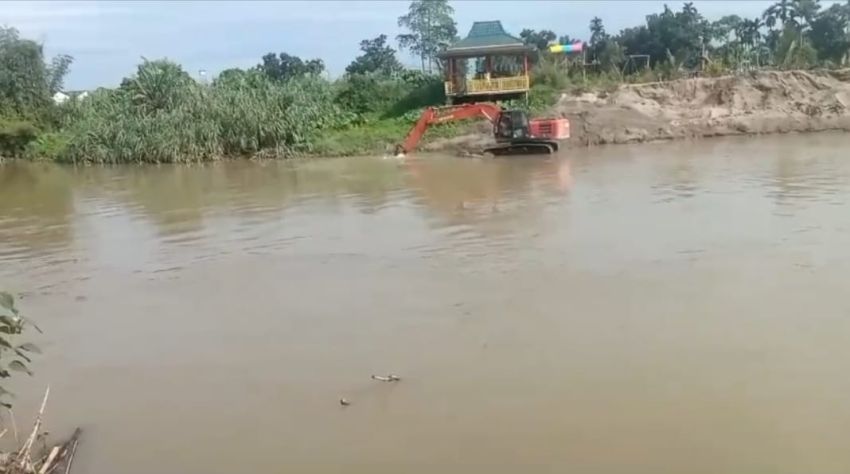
(524,147)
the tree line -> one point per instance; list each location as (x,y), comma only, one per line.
(286,105)
(789,34)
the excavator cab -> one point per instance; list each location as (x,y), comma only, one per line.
(516,134)
(511,125)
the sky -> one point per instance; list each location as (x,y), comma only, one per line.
(108,39)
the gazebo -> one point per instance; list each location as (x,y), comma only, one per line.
(487,65)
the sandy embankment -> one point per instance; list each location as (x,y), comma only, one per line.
(756,103)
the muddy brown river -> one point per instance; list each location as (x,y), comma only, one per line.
(672,308)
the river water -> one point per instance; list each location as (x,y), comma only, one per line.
(656,309)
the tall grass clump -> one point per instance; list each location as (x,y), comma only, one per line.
(161,115)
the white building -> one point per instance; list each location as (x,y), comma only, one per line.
(60,97)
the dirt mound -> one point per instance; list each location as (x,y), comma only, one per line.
(761,102)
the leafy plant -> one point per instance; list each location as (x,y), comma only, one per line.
(14,357)
(48,146)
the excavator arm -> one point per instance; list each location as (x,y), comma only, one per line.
(433,115)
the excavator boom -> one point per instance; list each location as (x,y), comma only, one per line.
(434,115)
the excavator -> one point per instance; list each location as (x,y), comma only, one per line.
(514,132)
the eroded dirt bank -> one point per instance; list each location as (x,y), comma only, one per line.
(757,103)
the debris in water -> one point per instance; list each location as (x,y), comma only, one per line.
(344,402)
(388,378)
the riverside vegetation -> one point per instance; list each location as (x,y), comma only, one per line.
(285,106)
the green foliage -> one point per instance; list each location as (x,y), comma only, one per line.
(158,85)
(366,94)
(26,82)
(782,12)
(550,72)
(283,67)
(541,97)
(431,30)
(794,51)
(683,34)
(15,135)
(538,39)
(371,96)
(610,55)
(56,72)
(421,90)
(377,58)
(829,33)
(24,87)
(14,356)
(160,115)
(380,136)
(790,33)
(49,146)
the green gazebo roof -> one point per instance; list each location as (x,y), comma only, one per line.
(486,37)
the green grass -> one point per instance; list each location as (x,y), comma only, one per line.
(376,137)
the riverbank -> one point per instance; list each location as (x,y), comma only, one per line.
(761,102)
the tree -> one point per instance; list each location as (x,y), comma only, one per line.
(57,71)
(283,66)
(829,35)
(597,31)
(806,10)
(538,39)
(26,82)
(377,58)
(610,56)
(783,11)
(230,76)
(684,34)
(726,26)
(794,50)
(432,29)
(599,43)
(565,39)
(749,33)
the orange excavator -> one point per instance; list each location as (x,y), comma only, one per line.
(514,132)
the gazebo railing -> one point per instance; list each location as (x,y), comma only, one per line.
(489,86)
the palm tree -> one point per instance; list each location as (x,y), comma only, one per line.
(783,10)
(597,30)
(750,35)
(806,10)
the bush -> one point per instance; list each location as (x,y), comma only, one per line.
(548,72)
(422,91)
(48,146)
(373,96)
(15,135)
(160,116)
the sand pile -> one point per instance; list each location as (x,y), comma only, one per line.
(761,102)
